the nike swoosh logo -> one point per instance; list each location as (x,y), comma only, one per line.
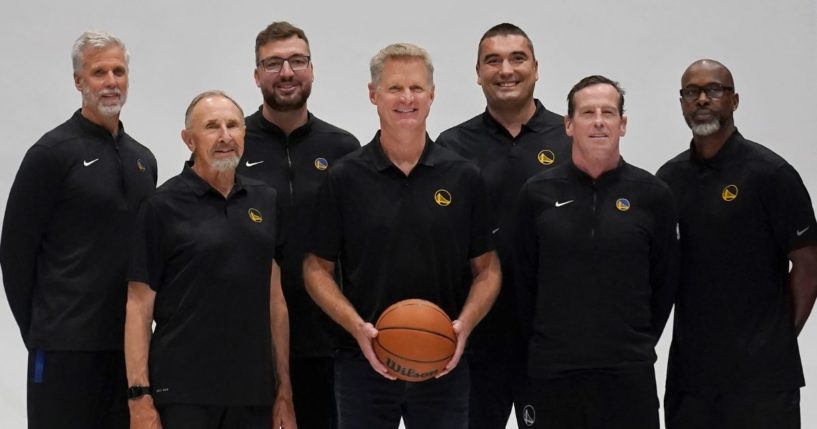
(802,231)
(87,163)
(564,203)
(495,231)
(250,164)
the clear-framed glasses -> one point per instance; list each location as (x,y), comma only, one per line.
(275,64)
(714,91)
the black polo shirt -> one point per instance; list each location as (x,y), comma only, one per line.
(209,260)
(399,236)
(741,213)
(295,165)
(506,162)
(66,235)
(597,268)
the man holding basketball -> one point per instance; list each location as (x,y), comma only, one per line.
(597,249)
(405,217)
(744,216)
(203,268)
(512,140)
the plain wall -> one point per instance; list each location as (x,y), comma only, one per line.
(181,48)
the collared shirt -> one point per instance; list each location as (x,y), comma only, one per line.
(209,260)
(402,236)
(741,213)
(295,165)
(506,162)
(596,268)
(66,235)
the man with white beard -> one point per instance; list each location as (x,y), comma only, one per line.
(65,243)
(204,268)
(744,216)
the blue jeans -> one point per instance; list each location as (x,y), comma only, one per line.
(367,400)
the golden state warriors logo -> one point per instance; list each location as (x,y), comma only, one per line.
(729,193)
(546,157)
(255,215)
(623,204)
(442,197)
(140,166)
(321,163)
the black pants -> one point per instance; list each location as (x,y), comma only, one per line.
(757,410)
(497,383)
(313,392)
(191,416)
(68,389)
(614,399)
(367,400)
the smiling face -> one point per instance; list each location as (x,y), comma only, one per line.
(103,82)
(507,70)
(403,95)
(215,135)
(287,89)
(596,126)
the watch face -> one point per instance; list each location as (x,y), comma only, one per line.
(137,391)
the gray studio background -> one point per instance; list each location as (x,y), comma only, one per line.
(181,48)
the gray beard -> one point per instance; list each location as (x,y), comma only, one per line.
(706,129)
(226,164)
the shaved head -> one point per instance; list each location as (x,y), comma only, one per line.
(711,66)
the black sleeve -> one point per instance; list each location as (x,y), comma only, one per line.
(788,205)
(33,196)
(146,260)
(526,261)
(481,235)
(326,233)
(664,260)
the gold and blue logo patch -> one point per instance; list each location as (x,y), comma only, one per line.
(321,163)
(729,193)
(623,204)
(442,197)
(140,166)
(255,215)
(546,157)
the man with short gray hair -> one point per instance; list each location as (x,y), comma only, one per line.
(204,268)
(403,216)
(64,247)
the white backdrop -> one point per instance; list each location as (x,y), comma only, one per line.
(181,48)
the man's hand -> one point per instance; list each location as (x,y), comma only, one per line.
(462,337)
(143,414)
(364,335)
(283,413)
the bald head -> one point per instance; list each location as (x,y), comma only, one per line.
(711,67)
(708,99)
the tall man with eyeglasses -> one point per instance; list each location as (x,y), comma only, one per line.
(745,216)
(292,150)
(515,138)
(65,244)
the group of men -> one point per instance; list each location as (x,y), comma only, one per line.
(558,261)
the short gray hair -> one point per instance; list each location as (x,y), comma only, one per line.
(399,51)
(207,94)
(94,39)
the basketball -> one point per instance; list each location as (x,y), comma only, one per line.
(415,340)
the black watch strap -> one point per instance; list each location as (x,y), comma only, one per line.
(138,391)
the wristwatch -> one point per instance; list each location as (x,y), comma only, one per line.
(138,391)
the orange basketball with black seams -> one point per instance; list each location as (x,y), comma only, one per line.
(415,339)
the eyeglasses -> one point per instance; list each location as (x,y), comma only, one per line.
(275,64)
(714,91)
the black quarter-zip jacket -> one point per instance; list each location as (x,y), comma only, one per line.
(66,235)
(597,268)
(295,165)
